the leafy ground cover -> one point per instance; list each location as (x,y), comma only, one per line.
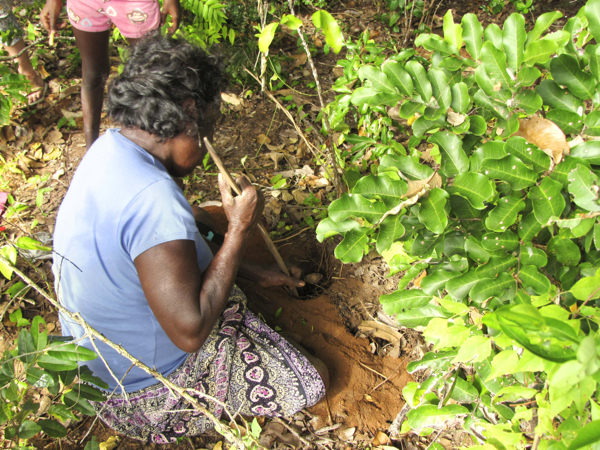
(468,231)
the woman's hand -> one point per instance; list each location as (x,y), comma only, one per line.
(243,211)
(171,8)
(272,276)
(49,15)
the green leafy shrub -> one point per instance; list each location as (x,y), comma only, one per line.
(39,361)
(207,23)
(506,228)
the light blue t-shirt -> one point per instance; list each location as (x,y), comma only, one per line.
(121,202)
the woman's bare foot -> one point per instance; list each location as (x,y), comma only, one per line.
(38,83)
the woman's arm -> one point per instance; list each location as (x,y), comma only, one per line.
(186,302)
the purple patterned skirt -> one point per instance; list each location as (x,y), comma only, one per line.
(243,364)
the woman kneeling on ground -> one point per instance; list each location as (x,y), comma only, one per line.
(130,259)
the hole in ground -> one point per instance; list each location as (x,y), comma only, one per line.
(317,270)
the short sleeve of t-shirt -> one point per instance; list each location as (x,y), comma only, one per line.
(158,214)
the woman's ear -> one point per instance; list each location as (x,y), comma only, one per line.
(189,106)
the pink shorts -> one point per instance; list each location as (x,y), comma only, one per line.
(134,18)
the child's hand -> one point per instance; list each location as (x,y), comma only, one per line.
(49,15)
(171,8)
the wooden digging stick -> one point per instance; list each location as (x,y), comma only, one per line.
(261,228)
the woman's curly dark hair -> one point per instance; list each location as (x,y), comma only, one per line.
(159,76)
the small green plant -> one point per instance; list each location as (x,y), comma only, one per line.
(206,24)
(40,361)
(496,213)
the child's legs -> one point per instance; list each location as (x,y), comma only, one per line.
(93,47)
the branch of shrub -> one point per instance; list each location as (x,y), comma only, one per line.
(330,154)
(222,429)
(33,44)
(313,149)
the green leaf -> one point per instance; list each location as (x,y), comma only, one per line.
(565,167)
(52,428)
(89,392)
(498,110)
(10,253)
(328,228)
(333,35)
(565,251)
(291,21)
(55,364)
(381,187)
(590,433)
(463,392)
(588,288)
(547,200)
(266,37)
(454,159)
(72,352)
(533,280)
(595,64)
(498,287)
(459,287)
(527,76)
(390,230)
(489,150)
(25,347)
(28,429)
(568,121)
(506,241)
(494,61)
(477,125)
(542,24)
(592,13)
(514,394)
(460,98)
(355,205)
(592,123)
(372,97)
(431,415)
(513,40)
(378,79)
(511,170)
(529,101)
(398,77)
(566,71)
(493,34)
(474,349)
(73,400)
(452,32)
(434,360)
(452,306)
(495,266)
(531,255)
(504,214)
(407,165)
(38,378)
(528,153)
(434,212)
(40,339)
(399,301)
(409,108)
(60,412)
(27,243)
(420,80)
(539,52)
(92,444)
(529,228)
(419,317)
(422,125)
(555,97)
(435,283)
(436,44)
(472,33)
(350,250)
(589,151)
(440,88)
(475,187)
